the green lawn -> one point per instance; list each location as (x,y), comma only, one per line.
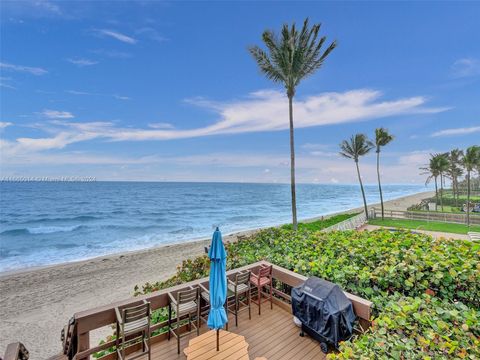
(424,225)
(321,224)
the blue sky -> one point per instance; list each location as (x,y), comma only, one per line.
(168,91)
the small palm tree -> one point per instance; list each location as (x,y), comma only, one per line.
(291,57)
(455,171)
(433,173)
(470,161)
(382,138)
(442,164)
(357,146)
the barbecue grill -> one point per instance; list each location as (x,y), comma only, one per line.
(325,312)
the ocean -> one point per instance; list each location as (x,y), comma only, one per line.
(43,223)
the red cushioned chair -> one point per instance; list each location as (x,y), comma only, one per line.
(259,280)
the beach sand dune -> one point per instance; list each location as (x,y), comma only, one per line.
(37,303)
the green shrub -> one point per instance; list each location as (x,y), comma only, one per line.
(394,270)
(417,328)
(191,269)
(371,264)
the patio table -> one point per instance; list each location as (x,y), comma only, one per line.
(232,346)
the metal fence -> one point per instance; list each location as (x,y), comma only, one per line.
(427,216)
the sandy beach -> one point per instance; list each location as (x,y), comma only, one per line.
(35,304)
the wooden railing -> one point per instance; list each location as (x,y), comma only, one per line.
(16,351)
(87,321)
(456,218)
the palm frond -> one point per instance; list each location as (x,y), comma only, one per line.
(292,55)
(471,158)
(382,138)
(357,146)
(265,65)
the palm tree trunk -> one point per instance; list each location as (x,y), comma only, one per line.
(379,184)
(436,194)
(363,191)
(455,190)
(441,190)
(468,198)
(292,164)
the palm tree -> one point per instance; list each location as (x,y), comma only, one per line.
(291,57)
(433,173)
(470,161)
(455,171)
(357,146)
(382,138)
(442,164)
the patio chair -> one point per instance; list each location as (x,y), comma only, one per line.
(133,321)
(186,303)
(238,289)
(205,304)
(259,280)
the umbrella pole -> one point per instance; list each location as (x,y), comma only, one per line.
(218,340)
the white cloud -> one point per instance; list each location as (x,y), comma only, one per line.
(266,111)
(120,97)
(466,67)
(26,69)
(457,131)
(415,158)
(311,146)
(151,34)
(76,92)
(4,124)
(261,111)
(118,36)
(7,86)
(55,114)
(323,153)
(48,6)
(81,62)
(160,125)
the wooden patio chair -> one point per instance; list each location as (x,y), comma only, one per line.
(186,303)
(205,304)
(259,280)
(238,289)
(133,321)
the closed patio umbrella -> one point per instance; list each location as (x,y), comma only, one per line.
(217,316)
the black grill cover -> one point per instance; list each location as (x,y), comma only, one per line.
(324,310)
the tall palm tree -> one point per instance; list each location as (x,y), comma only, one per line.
(470,161)
(382,138)
(433,173)
(289,58)
(357,146)
(455,170)
(442,166)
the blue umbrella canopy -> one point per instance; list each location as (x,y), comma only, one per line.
(217,316)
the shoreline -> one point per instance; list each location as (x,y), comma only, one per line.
(37,302)
(235,234)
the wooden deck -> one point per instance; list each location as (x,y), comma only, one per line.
(272,335)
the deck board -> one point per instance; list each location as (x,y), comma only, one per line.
(272,335)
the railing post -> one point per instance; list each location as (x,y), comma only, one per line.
(84,344)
